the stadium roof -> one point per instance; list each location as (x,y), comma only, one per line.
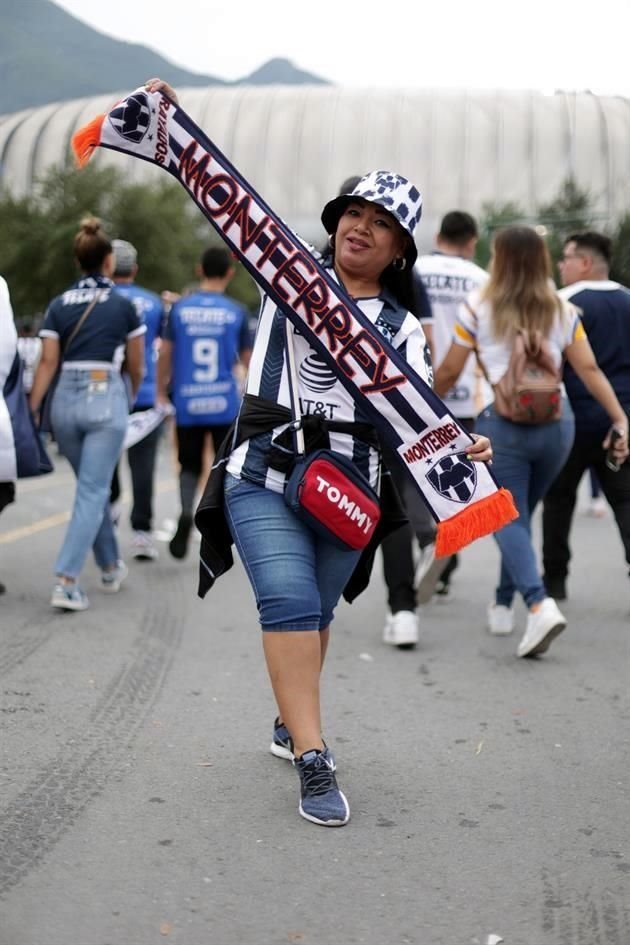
(297,144)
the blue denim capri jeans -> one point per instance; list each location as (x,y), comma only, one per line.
(297,576)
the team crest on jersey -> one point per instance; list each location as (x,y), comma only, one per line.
(316,375)
(454,478)
(131,118)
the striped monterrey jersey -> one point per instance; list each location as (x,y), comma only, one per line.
(150,311)
(448,280)
(320,391)
(605,309)
(209,331)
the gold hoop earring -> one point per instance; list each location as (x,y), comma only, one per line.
(399,264)
(331,240)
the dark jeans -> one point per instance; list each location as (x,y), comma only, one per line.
(141,458)
(560,501)
(191,443)
(398,564)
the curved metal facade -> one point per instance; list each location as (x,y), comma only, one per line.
(296,144)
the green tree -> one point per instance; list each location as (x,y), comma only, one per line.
(36,234)
(569,212)
(493,217)
(620,270)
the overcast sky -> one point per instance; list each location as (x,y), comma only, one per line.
(540,44)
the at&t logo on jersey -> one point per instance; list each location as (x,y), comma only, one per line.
(454,477)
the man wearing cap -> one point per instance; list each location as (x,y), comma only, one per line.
(142,455)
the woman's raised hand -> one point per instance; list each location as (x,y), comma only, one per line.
(158,85)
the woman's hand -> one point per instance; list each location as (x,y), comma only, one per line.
(481,450)
(620,445)
(158,85)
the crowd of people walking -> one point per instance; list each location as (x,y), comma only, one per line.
(110,348)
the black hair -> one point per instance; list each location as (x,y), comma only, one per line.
(349,184)
(216,262)
(458,227)
(597,243)
(401,285)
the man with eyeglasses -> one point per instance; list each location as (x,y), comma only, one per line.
(605,306)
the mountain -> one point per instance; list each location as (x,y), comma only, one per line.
(47,55)
(281,72)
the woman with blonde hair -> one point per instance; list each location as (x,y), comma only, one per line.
(520,297)
(89,329)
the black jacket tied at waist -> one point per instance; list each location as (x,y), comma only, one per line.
(260,416)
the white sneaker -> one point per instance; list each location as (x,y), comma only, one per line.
(597,507)
(500,619)
(428,573)
(401,629)
(69,597)
(111,580)
(542,627)
(142,547)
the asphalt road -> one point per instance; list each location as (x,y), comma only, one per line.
(139,802)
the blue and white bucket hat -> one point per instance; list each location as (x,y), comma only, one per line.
(391,191)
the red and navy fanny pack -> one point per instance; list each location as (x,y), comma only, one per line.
(328,493)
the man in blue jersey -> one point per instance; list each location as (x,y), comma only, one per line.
(142,455)
(207,335)
(605,307)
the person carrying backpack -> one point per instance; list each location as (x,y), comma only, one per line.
(520,330)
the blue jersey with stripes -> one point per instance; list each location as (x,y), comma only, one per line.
(150,311)
(209,331)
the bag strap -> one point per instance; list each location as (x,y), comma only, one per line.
(476,348)
(81,321)
(293,390)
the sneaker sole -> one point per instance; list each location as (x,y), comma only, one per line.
(543,645)
(279,752)
(402,642)
(427,583)
(327,823)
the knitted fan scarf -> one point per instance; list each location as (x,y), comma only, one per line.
(462,495)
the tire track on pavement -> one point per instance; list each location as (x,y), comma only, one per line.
(38,817)
(24,641)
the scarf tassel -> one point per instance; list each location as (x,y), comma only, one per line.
(86,139)
(479,519)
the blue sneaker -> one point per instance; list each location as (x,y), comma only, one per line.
(281,743)
(69,597)
(321,800)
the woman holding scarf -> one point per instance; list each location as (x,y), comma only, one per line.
(297,576)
